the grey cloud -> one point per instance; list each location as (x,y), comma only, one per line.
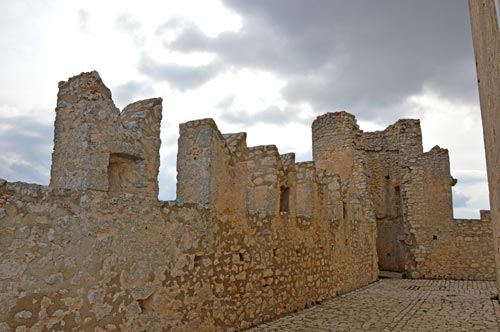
(255,46)
(179,77)
(468,177)
(363,56)
(226,102)
(29,147)
(192,36)
(271,115)
(174,23)
(131,91)
(460,200)
(131,27)
(83,19)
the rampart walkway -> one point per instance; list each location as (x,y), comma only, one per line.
(403,306)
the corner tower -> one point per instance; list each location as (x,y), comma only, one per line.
(334,139)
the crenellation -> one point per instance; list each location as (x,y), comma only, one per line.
(288,160)
(236,142)
(263,185)
(307,190)
(205,165)
(209,122)
(251,236)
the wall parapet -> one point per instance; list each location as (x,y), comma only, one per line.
(251,236)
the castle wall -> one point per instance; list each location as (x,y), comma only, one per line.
(467,255)
(411,195)
(437,245)
(486,39)
(78,261)
(93,261)
(385,179)
(252,235)
(238,246)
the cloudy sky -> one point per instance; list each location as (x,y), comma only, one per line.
(267,67)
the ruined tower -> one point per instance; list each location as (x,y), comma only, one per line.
(252,235)
(98,148)
(334,140)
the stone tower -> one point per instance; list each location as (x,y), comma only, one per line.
(98,148)
(334,140)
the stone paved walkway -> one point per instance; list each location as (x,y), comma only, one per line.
(403,306)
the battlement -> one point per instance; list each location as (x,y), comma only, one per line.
(98,148)
(236,142)
(252,234)
(207,122)
(86,87)
(335,118)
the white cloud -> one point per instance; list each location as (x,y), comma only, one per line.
(273,61)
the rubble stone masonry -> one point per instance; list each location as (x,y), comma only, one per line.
(486,38)
(252,235)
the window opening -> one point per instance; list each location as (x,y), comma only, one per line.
(121,172)
(284,199)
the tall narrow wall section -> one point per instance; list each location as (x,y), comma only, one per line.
(486,39)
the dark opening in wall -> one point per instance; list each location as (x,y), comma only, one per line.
(284,199)
(434,237)
(397,199)
(397,192)
(121,172)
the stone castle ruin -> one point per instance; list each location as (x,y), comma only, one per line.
(252,235)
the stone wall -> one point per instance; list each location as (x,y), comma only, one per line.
(96,147)
(411,195)
(96,250)
(252,235)
(486,38)
(466,255)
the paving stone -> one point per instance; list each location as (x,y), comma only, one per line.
(403,306)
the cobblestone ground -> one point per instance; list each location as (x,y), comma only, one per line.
(401,305)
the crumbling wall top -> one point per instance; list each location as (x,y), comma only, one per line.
(86,87)
(288,161)
(236,141)
(198,123)
(98,148)
(335,117)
